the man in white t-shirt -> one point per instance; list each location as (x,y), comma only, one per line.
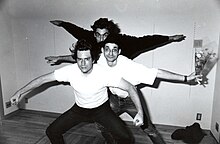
(134,73)
(90,84)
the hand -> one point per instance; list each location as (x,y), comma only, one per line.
(15,99)
(72,48)
(138,119)
(56,22)
(52,59)
(194,78)
(177,38)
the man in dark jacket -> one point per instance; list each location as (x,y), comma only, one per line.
(131,46)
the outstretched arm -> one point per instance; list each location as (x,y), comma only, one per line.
(134,46)
(74,30)
(125,85)
(30,86)
(53,60)
(167,75)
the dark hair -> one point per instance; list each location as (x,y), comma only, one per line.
(108,24)
(82,45)
(112,39)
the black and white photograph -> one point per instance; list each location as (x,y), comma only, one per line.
(109,72)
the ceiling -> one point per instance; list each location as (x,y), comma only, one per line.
(40,8)
(60,8)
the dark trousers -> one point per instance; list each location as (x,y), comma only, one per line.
(121,105)
(102,115)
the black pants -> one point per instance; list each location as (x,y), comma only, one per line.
(102,115)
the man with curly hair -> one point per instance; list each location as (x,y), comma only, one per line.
(132,46)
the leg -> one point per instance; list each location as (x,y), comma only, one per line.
(106,134)
(62,124)
(113,124)
(153,134)
(148,126)
(115,106)
(128,106)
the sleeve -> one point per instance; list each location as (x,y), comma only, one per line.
(62,74)
(116,89)
(133,46)
(137,73)
(115,81)
(145,75)
(76,31)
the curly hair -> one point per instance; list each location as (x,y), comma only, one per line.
(114,38)
(108,24)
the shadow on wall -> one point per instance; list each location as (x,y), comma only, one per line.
(39,90)
(218,3)
(2,3)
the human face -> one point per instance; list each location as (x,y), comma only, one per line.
(111,52)
(84,61)
(101,34)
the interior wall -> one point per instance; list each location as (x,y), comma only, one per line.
(172,104)
(216,102)
(35,39)
(7,61)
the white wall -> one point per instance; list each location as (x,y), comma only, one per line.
(7,65)
(172,104)
(35,39)
(216,103)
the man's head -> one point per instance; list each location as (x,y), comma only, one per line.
(111,49)
(103,27)
(84,56)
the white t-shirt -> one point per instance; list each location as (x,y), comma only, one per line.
(89,89)
(131,71)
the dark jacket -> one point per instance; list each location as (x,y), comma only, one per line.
(131,46)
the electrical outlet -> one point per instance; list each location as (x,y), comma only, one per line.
(198,116)
(8,104)
(217,126)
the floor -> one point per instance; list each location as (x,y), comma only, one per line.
(28,127)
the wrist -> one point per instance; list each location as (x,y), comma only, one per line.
(171,38)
